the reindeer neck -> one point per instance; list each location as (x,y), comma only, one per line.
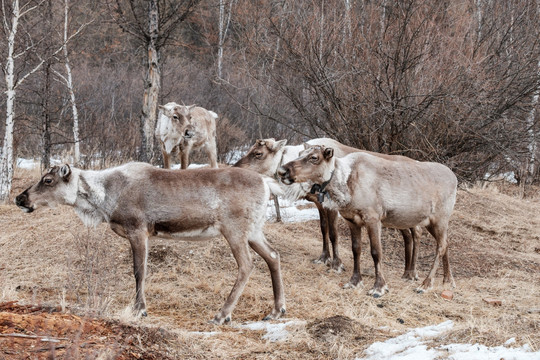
(92,204)
(337,188)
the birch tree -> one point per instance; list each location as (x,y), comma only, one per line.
(11,25)
(67,79)
(15,74)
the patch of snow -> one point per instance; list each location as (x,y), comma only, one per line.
(274,331)
(509,176)
(414,344)
(290,213)
(27,164)
(191,166)
(409,345)
(477,351)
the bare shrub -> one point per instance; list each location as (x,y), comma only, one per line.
(90,263)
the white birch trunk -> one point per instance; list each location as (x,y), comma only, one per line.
(6,162)
(479,18)
(348,23)
(69,84)
(221,37)
(224,21)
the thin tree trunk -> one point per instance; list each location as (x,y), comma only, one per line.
(221,37)
(6,162)
(224,21)
(69,83)
(46,116)
(348,23)
(152,85)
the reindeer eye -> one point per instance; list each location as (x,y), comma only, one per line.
(47,181)
(314,157)
(175,117)
(258,155)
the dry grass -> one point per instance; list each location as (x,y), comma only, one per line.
(49,257)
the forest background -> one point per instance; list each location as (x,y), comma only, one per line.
(455,82)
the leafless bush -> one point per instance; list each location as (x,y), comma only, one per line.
(91,266)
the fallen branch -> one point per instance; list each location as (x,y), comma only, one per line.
(42,338)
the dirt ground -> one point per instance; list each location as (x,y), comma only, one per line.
(66,291)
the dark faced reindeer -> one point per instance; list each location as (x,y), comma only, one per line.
(371,191)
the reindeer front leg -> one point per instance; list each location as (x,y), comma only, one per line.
(166,157)
(139,248)
(323,221)
(356,240)
(211,150)
(243,259)
(184,156)
(374,232)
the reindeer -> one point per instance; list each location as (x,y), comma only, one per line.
(182,129)
(138,200)
(372,191)
(267,155)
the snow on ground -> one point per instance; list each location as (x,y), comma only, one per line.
(290,213)
(274,331)
(415,345)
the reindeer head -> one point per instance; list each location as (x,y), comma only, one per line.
(263,157)
(315,165)
(174,125)
(57,186)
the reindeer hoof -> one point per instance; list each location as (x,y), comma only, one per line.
(409,276)
(352,285)
(336,266)
(377,293)
(140,313)
(323,259)
(426,285)
(275,314)
(219,320)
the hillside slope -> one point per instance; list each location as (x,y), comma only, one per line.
(68,289)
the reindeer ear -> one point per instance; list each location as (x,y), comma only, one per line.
(279,144)
(328,153)
(306,145)
(64,172)
(161,107)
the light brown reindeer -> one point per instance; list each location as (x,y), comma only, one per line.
(138,200)
(372,191)
(182,129)
(267,155)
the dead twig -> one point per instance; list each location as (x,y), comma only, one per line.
(41,338)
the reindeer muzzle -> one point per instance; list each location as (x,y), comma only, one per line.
(285,175)
(22,202)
